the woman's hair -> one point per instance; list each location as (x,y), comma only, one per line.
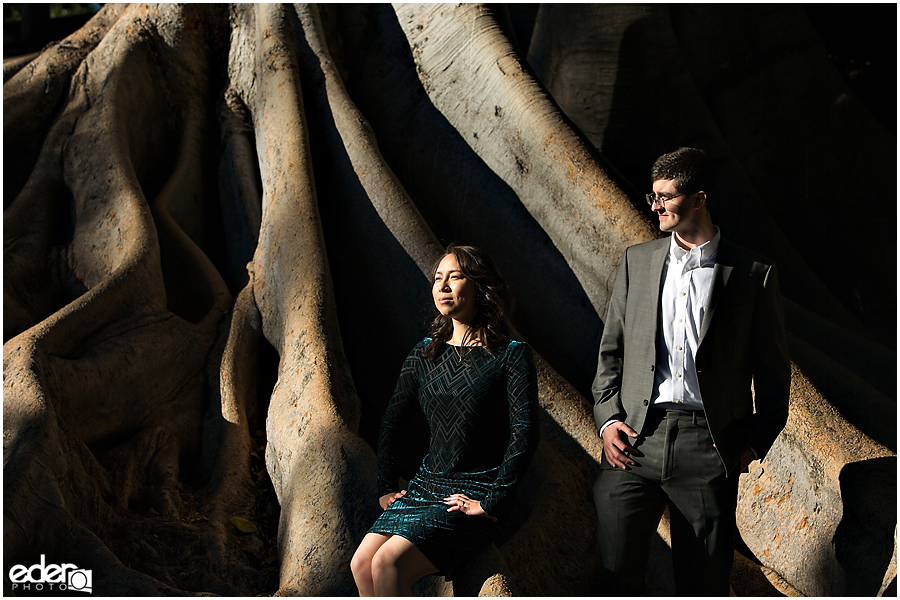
(495,302)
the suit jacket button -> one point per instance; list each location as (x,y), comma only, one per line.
(646,402)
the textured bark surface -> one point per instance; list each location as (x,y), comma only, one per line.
(218,226)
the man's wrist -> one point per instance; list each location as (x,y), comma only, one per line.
(607,424)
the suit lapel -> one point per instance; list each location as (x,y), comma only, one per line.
(721,274)
(657,264)
(657,273)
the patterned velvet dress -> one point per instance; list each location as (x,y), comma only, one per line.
(482,411)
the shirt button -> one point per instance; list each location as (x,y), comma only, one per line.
(681,320)
(646,402)
(683,294)
(679,348)
(678,376)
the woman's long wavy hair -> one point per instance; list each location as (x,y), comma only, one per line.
(495,302)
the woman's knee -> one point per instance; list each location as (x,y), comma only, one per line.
(383,563)
(361,564)
(398,565)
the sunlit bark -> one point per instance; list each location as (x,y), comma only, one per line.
(218,228)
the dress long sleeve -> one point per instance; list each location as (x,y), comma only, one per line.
(403,402)
(521,385)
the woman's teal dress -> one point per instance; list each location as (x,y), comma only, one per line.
(482,411)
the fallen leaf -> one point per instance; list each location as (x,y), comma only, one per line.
(243,524)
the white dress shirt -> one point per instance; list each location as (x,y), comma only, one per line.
(686,287)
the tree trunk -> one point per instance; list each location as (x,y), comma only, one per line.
(218,232)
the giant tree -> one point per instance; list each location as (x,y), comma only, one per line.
(218,227)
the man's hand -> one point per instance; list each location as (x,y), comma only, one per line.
(615,445)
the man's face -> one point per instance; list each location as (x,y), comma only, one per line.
(677,214)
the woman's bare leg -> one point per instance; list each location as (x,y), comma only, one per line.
(396,565)
(361,563)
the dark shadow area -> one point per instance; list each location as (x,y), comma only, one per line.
(231,200)
(189,294)
(266,511)
(256,551)
(198,207)
(383,299)
(522,18)
(703,77)
(866,530)
(462,199)
(851,351)
(785,106)
(39,287)
(28,27)
(239,194)
(517,22)
(267,365)
(862,45)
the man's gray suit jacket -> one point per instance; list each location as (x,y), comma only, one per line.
(741,339)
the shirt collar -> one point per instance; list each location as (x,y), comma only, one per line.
(702,256)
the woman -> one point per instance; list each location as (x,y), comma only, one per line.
(478,390)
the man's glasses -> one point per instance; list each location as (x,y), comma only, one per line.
(653,198)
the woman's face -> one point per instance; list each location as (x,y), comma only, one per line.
(454,295)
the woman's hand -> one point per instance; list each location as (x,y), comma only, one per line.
(467,506)
(389,499)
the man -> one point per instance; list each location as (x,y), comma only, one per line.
(692,320)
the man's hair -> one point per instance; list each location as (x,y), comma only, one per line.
(691,169)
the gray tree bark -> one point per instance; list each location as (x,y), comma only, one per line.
(218,227)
